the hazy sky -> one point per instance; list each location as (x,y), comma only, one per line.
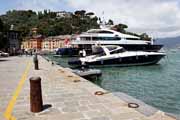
(160,18)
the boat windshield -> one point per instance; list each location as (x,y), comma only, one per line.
(101,38)
(111,50)
(121,50)
(132,38)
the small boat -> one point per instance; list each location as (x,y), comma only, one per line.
(118,56)
(90,74)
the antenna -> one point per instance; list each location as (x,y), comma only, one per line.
(103,23)
(103,18)
(154,36)
(152,40)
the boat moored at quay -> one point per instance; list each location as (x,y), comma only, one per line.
(105,36)
(118,56)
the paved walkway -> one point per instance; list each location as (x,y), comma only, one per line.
(11,70)
(64,98)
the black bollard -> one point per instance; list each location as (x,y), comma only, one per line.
(36,102)
(35,59)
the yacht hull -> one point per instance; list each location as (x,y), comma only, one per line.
(67,51)
(123,61)
(88,48)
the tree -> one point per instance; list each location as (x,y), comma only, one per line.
(47,22)
(52,14)
(144,36)
(40,15)
(80,12)
(120,27)
(1,34)
(110,22)
(45,12)
(1,25)
(3,40)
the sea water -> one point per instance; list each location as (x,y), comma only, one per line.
(157,85)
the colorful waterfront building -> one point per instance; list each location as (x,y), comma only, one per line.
(54,42)
(33,43)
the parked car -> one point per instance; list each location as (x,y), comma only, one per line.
(4,54)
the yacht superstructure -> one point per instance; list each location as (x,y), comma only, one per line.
(106,36)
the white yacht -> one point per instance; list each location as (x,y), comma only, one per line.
(106,36)
(118,56)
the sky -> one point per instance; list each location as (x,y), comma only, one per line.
(159,18)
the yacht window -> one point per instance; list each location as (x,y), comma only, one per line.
(96,38)
(103,31)
(118,51)
(110,48)
(132,39)
(85,38)
(106,38)
(117,38)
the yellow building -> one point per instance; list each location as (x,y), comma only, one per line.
(45,44)
(54,42)
(24,44)
(34,43)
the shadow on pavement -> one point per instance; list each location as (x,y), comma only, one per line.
(3,60)
(47,106)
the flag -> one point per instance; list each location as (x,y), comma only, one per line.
(66,41)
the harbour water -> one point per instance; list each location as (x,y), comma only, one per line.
(157,85)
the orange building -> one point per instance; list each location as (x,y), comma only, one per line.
(33,43)
(54,42)
(45,44)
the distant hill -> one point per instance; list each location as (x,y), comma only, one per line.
(169,42)
(50,23)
